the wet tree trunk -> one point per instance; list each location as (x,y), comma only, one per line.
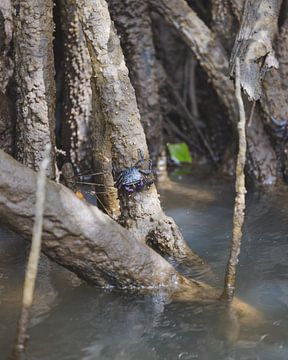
(140,211)
(136,39)
(78,236)
(34,71)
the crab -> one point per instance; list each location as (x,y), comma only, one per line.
(134,179)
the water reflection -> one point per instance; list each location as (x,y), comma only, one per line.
(76,321)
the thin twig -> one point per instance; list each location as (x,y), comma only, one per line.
(251,114)
(239,207)
(92,184)
(86,173)
(32,266)
(101,203)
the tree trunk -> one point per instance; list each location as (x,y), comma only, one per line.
(7,116)
(34,67)
(141,211)
(237,7)
(79,236)
(213,59)
(6,64)
(134,25)
(274,101)
(77,95)
(253,44)
(224,22)
(262,160)
(7,124)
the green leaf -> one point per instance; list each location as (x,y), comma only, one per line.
(179,153)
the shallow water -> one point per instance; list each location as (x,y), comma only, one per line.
(72,320)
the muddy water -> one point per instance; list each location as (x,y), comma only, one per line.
(74,321)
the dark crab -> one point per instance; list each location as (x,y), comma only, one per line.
(134,178)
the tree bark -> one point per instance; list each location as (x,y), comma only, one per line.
(7,118)
(253,44)
(261,158)
(77,94)
(134,25)
(224,22)
(274,101)
(141,211)
(237,7)
(34,68)
(6,34)
(7,124)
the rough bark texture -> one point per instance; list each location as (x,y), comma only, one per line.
(141,211)
(6,33)
(7,118)
(274,101)
(253,44)
(275,84)
(133,23)
(99,131)
(7,124)
(34,67)
(237,7)
(262,160)
(224,22)
(77,95)
(239,206)
(102,151)
(282,52)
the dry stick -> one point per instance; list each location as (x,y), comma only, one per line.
(239,207)
(32,266)
(251,113)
